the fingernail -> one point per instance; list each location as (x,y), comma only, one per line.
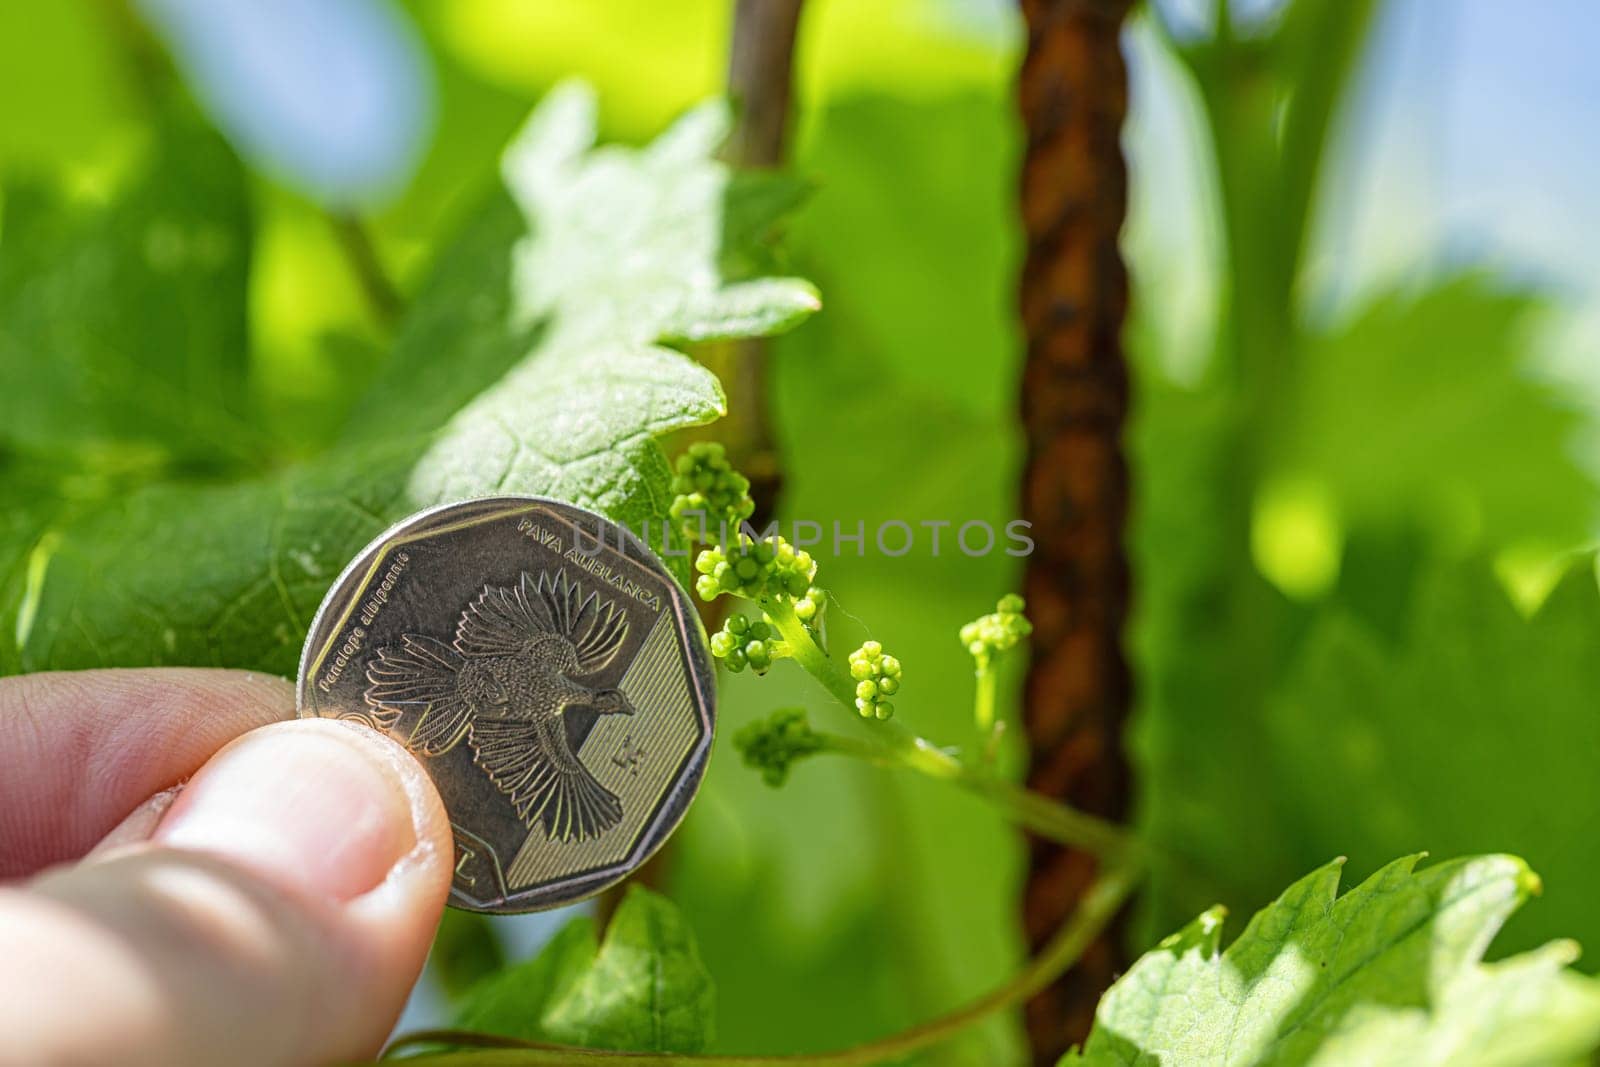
(310,805)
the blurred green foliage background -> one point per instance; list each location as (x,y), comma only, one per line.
(1367,622)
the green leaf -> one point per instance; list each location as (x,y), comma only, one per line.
(756,206)
(209,575)
(475,401)
(1209,643)
(1389,973)
(1473,727)
(1425,403)
(628,245)
(124,328)
(1396,701)
(743,309)
(1417,415)
(457,338)
(643,988)
(465,951)
(578,423)
(624,248)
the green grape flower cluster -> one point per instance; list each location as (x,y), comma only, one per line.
(709,495)
(988,635)
(755,569)
(744,643)
(772,745)
(877,676)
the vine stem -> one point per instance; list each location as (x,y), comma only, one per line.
(761,83)
(895,745)
(1098,905)
(361,255)
(983,699)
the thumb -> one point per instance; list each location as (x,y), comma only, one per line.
(279,914)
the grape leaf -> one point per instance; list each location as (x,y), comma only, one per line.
(1446,732)
(628,244)
(125,327)
(1389,973)
(465,951)
(457,338)
(1424,415)
(210,575)
(623,248)
(643,988)
(476,400)
(1424,400)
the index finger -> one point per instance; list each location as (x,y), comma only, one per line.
(82,749)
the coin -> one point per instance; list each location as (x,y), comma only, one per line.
(547,671)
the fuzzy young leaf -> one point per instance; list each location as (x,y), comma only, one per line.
(623,250)
(743,309)
(476,400)
(1390,973)
(643,988)
(628,245)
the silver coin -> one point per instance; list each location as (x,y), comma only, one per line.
(548,672)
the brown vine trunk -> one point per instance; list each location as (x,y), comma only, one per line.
(1073,98)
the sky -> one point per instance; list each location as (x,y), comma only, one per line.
(1479,118)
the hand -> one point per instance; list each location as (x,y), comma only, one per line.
(189,879)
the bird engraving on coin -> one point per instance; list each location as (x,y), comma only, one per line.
(504,685)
